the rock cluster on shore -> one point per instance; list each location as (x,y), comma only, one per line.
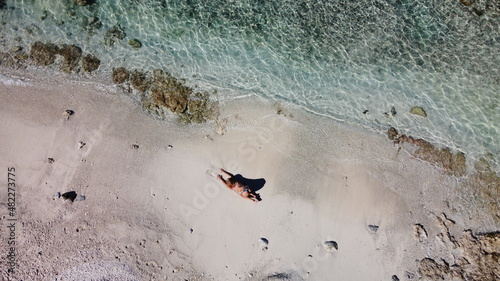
(162,91)
(45,54)
(471,257)
(483,182)
(452,164)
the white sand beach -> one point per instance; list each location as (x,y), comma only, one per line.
(151,211)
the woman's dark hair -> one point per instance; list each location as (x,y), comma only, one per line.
(231,181)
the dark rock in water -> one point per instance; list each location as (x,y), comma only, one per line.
(70,195)
(120,75)
(168,92)
(373,228)
(115,32)
(418,111)
(84,2)
(3,4)
(71,55)
(134,43)
(365,112)
(394,278)
(90,63)
(392,133)
(139,81)
(393,111)
(44,15)
(43,54)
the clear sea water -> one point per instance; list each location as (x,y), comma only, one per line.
(333,58)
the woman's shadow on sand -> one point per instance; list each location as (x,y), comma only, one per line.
(254,184)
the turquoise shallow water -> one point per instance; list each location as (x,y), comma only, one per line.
(334,58)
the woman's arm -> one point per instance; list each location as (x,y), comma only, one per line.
(219,177)
(226,173)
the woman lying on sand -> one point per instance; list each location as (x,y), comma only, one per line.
(232,183)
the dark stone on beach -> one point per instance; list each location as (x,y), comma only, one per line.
(392,133)
(366,111)
(70,195)
(51,160)
(57,195)
(80,198)
(330,246)
(135,146)
(120,75)
(373,228)
(84,2)
(418,111)
(115,32)
(43,54)
(394,278)
(134,43)
(139,81)
(92,24)
(71,55)
(409,275)
(90,63)
(68,112)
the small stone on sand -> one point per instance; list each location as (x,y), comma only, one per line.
(81,144)
(70,195)
(373,228)
(420,233)
(263,242)
(68,112)
(135,146)
(51,160)
(330,246)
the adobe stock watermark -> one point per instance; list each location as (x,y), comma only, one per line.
(247,151)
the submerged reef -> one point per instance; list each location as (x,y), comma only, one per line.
(162,91)
(84,2)
(90,63)
(45,54)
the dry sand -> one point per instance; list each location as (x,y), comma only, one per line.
(151,211)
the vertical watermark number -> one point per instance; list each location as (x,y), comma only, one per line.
(11,219)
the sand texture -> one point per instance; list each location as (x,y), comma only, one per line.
(337,203)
